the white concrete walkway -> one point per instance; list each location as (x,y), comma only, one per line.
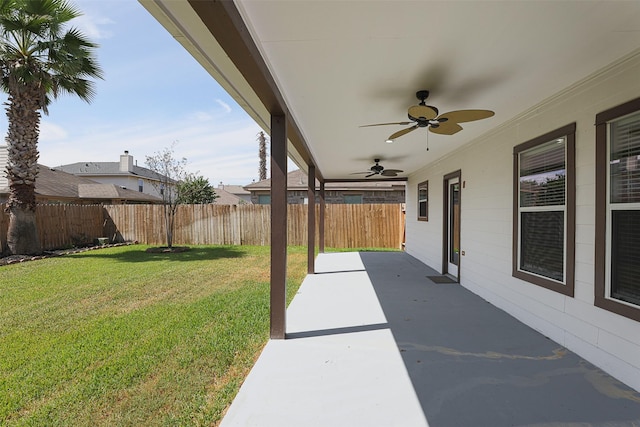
(339,366)
(374,342)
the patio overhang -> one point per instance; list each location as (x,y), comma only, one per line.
(328,68)
(332,67)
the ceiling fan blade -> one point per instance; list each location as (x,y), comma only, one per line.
(461,116)
(403,132)
(386,124)
(423,111)
(360,173)
(390,172)
(371,174)
(446,128)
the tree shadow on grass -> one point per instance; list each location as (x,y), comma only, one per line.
(193,254)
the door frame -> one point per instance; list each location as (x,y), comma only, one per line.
(445,221)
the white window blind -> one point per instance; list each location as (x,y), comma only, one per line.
(624,208)
(542,197)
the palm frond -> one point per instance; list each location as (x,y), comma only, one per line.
(37,49)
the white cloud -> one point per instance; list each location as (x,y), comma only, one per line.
(92,26)
(203,116)
(224,105)
(219,150)
(51,132)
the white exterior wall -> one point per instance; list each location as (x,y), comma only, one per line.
(608,340)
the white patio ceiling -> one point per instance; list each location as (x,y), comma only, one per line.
(343,64)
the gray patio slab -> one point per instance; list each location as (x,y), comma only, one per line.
(373,342)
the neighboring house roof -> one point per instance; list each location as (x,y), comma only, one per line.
(297,180)
(227,198)
(125,168)
(106,168)
(52,183)
(238,190)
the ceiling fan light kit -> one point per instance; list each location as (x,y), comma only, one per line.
(426,116)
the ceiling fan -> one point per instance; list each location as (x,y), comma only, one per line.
(423,115)
(378,169)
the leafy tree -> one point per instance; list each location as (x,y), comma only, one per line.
(196,190)
(40,59)
(170,172)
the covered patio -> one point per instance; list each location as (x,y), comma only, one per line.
(323,79)
(373,341)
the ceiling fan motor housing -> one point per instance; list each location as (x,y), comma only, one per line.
(377,168)
(422,95)
(421,122)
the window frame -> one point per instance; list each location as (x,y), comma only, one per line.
(423,186)
(359,201)
(603,236)
(568,286)
(262,197)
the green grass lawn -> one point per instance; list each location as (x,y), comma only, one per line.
(118,336)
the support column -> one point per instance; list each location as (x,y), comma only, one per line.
(321,220)
(311,223)
(278,300)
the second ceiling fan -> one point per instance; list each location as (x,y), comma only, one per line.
(423,115)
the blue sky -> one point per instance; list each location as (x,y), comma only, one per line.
(153,93)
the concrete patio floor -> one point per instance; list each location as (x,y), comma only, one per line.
(371,341)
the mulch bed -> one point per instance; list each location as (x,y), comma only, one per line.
(14,259)
(168,250)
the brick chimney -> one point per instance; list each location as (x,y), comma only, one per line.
(126,162)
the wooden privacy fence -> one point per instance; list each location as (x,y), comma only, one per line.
(61,226)
(346,226)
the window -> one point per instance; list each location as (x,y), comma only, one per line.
(423,201)
(353,199)
(264,199)
(544,210)
(140,185)
(617,263)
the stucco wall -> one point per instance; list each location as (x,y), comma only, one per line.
(608,340)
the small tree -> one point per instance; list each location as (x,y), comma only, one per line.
(169,173)
(196,190)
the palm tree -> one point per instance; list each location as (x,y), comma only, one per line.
(262,153)
(40,59)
